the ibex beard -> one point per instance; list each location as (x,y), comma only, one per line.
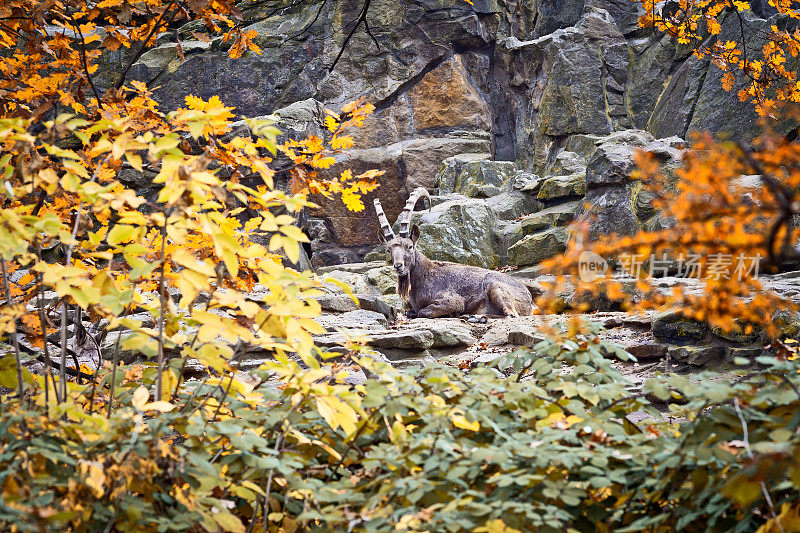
(438,288)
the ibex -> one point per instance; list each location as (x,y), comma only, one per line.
(439,288)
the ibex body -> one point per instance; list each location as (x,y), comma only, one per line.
(440,288)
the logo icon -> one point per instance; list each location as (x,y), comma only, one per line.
(591,267)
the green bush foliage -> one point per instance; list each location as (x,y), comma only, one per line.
(543,441)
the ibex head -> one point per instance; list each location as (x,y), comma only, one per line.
(402,247)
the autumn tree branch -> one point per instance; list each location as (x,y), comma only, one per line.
(85,63)
(143,45)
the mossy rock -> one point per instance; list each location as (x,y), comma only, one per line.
(384,278)
(737,334)
(745,352)
(535,248)
(476,190)
(675,326)
(379,254)
(706,356)
(787,324)
(476,176)
(562,186)
(461,230)
(555,216)
(567,163)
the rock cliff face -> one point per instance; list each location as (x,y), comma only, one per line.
(501,107)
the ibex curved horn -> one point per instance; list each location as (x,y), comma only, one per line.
(386,228)
(405,216)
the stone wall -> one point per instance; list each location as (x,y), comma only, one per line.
(505,80)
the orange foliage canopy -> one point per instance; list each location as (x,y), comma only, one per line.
(729,211)
(51,48)
(698,23)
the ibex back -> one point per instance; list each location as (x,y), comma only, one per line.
(439,288)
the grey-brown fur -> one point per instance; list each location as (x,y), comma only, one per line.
(439,288)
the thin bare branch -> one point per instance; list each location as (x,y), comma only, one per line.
(745,438)
(7,292)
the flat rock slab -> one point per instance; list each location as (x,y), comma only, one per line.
(697,355)
(522,335)
(359,319)
(646,350)
(677,327)
(337,303)
(447,332)
(337,340)
(557,215)
(357,283)
(353,268)
(413,340)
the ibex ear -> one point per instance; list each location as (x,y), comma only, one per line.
(414,233)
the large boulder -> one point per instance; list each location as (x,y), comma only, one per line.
(557,215)
(580,62)
(614,203)
(612,210)
(566,163)
(612,162)
(474,175)
(560,187)
(444,98)
(423,158)
(509,206)
(461,230)
(350,228)
(535,248)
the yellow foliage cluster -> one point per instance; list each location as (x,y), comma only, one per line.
(174,271)
(313,154)
(171,274)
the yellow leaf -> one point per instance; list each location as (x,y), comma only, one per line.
(496,526)
(8,373)
(292,249)
(228,522)
(122,233)
(160,406)
(95,478)
(140,397)
(134,160)
(169,381)
(460,422)
(337,413)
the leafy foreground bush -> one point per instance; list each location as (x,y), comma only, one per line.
(551,447)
